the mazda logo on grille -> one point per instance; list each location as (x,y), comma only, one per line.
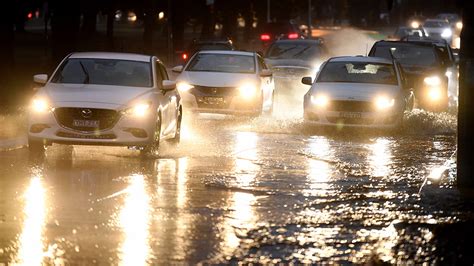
(86,113)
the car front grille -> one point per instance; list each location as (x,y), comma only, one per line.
(350,121)
(350,106)
(101,119)
(214,91)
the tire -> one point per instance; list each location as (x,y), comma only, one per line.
(36,146)
(177,136)
(152,148)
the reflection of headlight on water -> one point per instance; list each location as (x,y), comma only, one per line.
(384,103)
(434,93)
(248,90)
(447,33)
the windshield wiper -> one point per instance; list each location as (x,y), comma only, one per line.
(87,79)
(302,51)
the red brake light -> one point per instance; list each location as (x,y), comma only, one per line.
(265,37)
(293,36)
(185,56)
(30,15)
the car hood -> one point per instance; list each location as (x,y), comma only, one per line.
(354,91)
(289,63)
(215,79)
(98,94)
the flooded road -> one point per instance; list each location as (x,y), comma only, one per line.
(266,190)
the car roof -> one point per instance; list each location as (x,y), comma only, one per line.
(312,41)
(227,52)
(106,55)
(362,59)
(414,42)
(436,20)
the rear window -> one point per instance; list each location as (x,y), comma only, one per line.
(358,72)
(407,55)
(303,51)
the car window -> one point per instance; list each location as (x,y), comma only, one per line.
(288,50)
(104,72)
(358,72)
(407,55)
(227,63)
(436,24)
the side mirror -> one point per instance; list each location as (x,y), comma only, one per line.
(177,69)
(266,73)
(40,79)
(307,81)
(168,85)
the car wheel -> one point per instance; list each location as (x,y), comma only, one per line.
(177,136)
(152,148)
(36,146)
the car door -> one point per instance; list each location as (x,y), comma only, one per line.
(172,99)
(163,100)
(266,82)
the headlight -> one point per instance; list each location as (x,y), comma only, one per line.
(384,103)
(183,86)
(320,101)
(459,25)
(446,33)
(435,93)
(248,90)
(415,24)
(40,105)
(138,110)
(432,81)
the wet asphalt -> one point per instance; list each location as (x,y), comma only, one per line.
(264,190)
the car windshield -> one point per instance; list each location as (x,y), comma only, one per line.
(302,51)
(226,63)
(358,72)
(105,72)
(423,56)
(436,24)
(409,32)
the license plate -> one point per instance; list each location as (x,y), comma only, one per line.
(214,100)
(350,115)
(86,123)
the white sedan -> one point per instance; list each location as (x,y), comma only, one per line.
(226,82)
(112,99)
(358,91)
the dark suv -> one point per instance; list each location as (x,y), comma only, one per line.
(428,66)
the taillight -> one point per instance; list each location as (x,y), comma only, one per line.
(293,36)
(265,37)
(185,56)
(30,15)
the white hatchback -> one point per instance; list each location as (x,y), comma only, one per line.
(112,99)
(358,91)
(226,82)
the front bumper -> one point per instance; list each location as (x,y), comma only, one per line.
(127,131)
(391,119)
(226,105)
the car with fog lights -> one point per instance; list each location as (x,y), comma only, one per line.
(439,29)
(226,82)
(291,60)
(114,99)
(358,92)
(429,67)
